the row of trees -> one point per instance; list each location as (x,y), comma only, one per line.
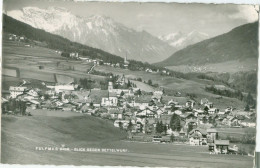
(228,93)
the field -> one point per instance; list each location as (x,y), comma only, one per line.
(229,66)
(42,64)
(21,136)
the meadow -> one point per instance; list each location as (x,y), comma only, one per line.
(21,136)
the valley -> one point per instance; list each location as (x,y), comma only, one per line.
(87,90)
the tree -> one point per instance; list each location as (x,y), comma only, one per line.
(128,84)
(204,119)
(122,94)
(159,127)
(120,125)
(138,92)
(190,127)
(206,109)
(247,108)
(249,99)
(175,123)
(130,126)
(211,120)
(91,105)
(150,82)
(46,96)
(165,129)
(172,137)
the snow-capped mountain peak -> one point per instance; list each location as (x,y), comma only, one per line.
(96,31)
(181,40)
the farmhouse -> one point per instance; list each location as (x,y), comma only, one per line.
(198,137)
(221,146)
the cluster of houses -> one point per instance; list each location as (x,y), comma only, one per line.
(140,109)
(14,37)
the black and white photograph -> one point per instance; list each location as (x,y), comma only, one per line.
(129,84)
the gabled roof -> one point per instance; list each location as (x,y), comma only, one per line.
(202,131)
(115,111)
(112,94)
(211,130)
(185,115)
(143,99)
(81,94)
(222,142)
(97,95)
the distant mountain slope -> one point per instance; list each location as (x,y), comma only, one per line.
(56,42)
(98,32)
(181,40)
(238,44)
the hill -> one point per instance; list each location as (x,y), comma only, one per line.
(96,31)
(238,44)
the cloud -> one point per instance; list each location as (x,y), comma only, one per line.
(246,12)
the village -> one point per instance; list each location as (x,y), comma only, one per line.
(146,116)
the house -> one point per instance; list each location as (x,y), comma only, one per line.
(198,112)
(204,101)
(33,93)
(188,116)
(221,146)
(111,100)
(142,101)
(146,113)
(62,88)
(74,55)
(190,103)
(123,122)
(198,137)
(121,80)
(116,114)
(213,111)
(248,123)
(158,93)
(212,134)
(16,90)
(233,121)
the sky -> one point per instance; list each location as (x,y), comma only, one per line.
(155,18)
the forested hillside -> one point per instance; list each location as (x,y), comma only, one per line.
(56,42)
(238,44)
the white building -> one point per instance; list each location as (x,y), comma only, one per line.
(61,88)
(111,100)
(15,91)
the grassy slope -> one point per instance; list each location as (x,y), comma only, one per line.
(20,135)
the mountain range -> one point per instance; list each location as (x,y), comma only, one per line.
(181,40)
(239,44)
(96,31)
